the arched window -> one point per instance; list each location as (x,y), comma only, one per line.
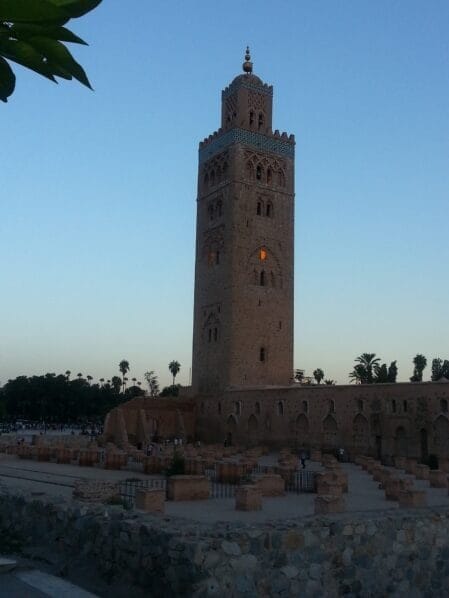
(238,407)
(210,211)
(281,179)
(359,405)
(218,174)
(215,334)
(217,257)
(210,334)
(259,171)
(280,408)
(202,408)
(443,405)
(225,170)
(219,207)
(257,408)
(219,408)
(269,176)
(262,354)
(331,406)
(249,171)
(206,180)
(269,210)
(273,280)
(262,278)
(251,118)
(212,178)
(404,406)
(261,120)
(259,208)
(393,406)
(305,406)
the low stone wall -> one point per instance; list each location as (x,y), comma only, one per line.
(372,554)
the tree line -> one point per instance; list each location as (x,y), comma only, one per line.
(368,369)
(62,398)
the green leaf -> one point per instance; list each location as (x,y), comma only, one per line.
(76,8)
(7,80)
(58,55)
(26,55)
(32,11)
(25,31)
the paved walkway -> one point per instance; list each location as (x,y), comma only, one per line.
(364,494)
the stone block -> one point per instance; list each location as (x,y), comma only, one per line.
(400,462)
(269,484)
(85,458)
(151,500)
(328,488)
(438,478)
(395,485)
(412,498)
(410,465)
(315,455)
(188,487)
(43,453)
(64,455)
(421,471)
(248,498)
(329,504)
(443,464)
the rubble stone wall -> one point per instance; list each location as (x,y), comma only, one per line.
(372,554)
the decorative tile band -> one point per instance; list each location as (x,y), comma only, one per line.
(266,89)
(256,140)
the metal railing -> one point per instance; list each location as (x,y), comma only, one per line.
(128,488)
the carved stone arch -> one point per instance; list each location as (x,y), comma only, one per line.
(249,171)
(253,425)
(330,431)
(260,171)
(269,264)
(441,434)
(231,424)
(302,425)
(360,430)
(281,178)
(400,442)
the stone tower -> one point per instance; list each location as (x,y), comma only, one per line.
(243,312)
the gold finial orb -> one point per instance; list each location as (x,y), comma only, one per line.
(247,65)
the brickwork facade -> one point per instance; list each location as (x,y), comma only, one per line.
(243,312)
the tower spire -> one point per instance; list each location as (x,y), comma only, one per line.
(247,65)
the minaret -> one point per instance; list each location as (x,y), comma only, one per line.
(243,309)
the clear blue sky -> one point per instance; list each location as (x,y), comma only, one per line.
(98,189)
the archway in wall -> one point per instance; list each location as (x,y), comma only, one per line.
(441,429)
(253,427)
(424,445)
(400,442)
(360,432)
(231,426)
(302,429)
(330,432)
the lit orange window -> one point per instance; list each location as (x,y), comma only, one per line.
(263,254)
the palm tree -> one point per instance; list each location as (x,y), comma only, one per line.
(102,381)
(318,374)
(67,374)
(116,383)
(134,380)
(363,371)
(80,375)
(299,375)
(329,382)
(124,369)
(174,367)
(89,378)
(420,362)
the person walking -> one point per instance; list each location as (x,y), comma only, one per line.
(303,458)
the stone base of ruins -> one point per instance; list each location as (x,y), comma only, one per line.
(326,504)
(248,498)
(412,498)
(151,500)
(188,487)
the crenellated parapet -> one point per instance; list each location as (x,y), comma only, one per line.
(278,143)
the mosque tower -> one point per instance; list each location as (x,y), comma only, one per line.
(243,307)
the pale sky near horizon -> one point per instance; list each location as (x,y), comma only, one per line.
(97,190)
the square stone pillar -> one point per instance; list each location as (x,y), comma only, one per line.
(248,498)
(152,500)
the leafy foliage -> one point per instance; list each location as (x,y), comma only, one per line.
(420,362)
(177,466)
(153,383)
(31,34)
(170,391)
(174,367)
(318,374)
(440,369)
(55,398)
